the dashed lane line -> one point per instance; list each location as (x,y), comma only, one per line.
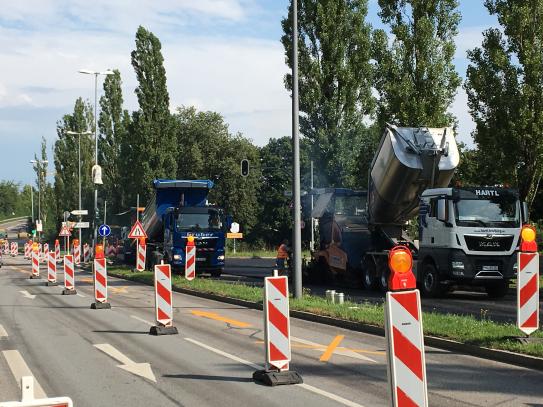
(19,368)
(3,333)
(142,320)
(305,386)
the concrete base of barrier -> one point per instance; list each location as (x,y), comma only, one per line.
(274,378)
(51,284)
(100,305)
(69,292)
(163,330)
(32,277)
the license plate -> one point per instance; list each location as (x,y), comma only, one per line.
(200,259)
(491,268)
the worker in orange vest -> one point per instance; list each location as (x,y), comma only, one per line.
(282,256)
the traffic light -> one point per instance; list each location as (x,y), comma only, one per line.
(244,168)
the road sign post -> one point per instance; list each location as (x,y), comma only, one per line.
(163,301)
(403,330)
(277,335)
(69,276)
(190,259)
(141,255)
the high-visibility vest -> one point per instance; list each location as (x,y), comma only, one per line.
(282,252)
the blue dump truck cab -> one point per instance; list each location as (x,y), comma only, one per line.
(179,208)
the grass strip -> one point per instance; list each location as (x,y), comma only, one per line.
(465,329)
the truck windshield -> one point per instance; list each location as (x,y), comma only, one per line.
(502,211)
(199,221)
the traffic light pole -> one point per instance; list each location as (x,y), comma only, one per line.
(296,230)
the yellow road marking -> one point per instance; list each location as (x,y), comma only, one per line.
(119,290)
(87,280)
(339,348)
(217,317)
(330,349)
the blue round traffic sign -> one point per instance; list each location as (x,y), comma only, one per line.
(104,230)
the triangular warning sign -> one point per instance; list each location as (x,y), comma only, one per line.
(137,231)
(64,231)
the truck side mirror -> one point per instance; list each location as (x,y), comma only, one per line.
(229,221)
(442,214)
(525,213)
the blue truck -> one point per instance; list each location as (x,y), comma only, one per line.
(180,208)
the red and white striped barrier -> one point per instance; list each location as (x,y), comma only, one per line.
(40,251)
(528,292)
(100,285)
(140,258)
(406,361)
(51,269)
(163,301)
(14,249)
(69,275)
(57,250)
(28,250)
(6,247)
(277,334)
(77,254)
(28,400)
(190,259)
(86,253)
(111,250)
(35,265)
(46,251)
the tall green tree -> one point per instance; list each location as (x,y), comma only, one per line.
(66,159)
(335,82)
(210,151)
(46,205)
(505,96)
(153,148)
(113,125)
(415,75)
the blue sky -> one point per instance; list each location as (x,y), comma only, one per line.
(221,55)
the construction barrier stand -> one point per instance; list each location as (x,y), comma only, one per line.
(190,261)
(69,275)
(35,265)
(528,292)
(140,258)
(51,269)
(28,400)
(100,285)
(163,301)
(277,335)
(406,360)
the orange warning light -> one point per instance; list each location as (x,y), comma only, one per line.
(35,247)
(76,242)
(99,251)
(142,241)
(527,237)
(400,263)
(190,240)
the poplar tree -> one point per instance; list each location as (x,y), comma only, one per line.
(505,96)
(415,75)
(335,80)
(113,126)
(153,148)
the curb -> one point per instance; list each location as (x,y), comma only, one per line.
(503,356)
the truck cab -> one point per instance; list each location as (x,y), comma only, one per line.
(468,236)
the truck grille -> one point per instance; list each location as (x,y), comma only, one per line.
(489,243)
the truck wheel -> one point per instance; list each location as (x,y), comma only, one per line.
(369,275)
(498,290)
(216,273)
(431,286)
(383,280)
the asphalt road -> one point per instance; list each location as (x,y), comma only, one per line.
(100,357)
(13,227)
(476,304)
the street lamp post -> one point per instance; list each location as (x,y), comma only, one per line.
(79,134)
(95,73)
(39,164)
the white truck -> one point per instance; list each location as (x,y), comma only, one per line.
(467,236)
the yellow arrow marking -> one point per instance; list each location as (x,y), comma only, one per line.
(330,349)
(87,280)
(119,290)
(217,317)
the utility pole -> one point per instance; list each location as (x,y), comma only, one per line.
(312,245)
(32,202)
(296,230)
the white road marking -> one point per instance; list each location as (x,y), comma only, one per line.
(81,295)
(139,369)
(305,386)
(3,333)
(19,368)
(26,294)
(142,320)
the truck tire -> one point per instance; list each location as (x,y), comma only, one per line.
(369,275)
(497,290)
(216,273)
(431,286)
(383,280)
